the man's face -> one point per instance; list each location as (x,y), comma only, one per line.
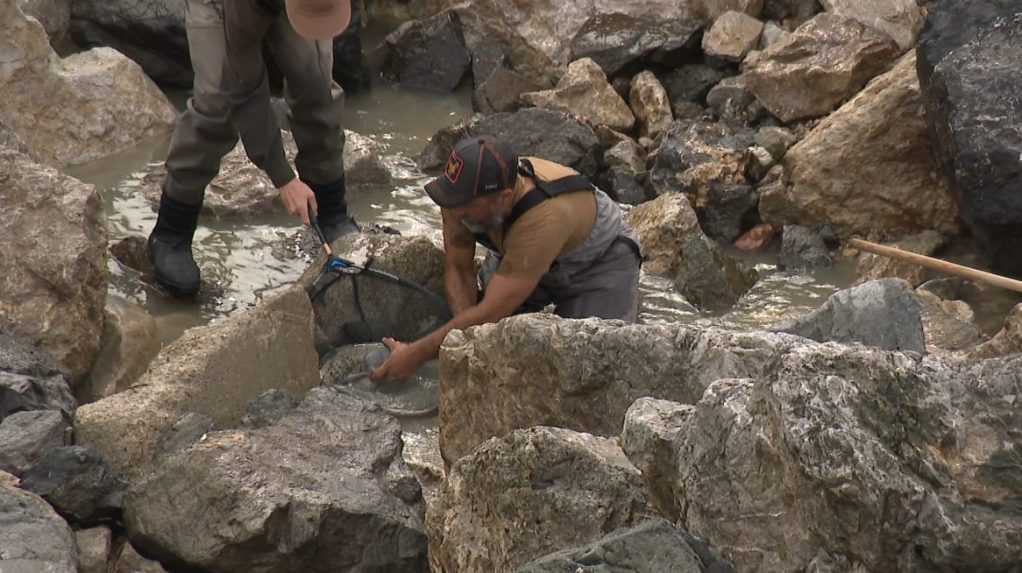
(484,214)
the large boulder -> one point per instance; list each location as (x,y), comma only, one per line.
(78,483)
(77,109)
(580,374)
(691,83)
(33,538)
(215,370)
(848,459)
(529,494)
(871,267)
(94,548)
(822,64)
(53,274)
(323,490)
(729,210)
(694,155)
(968,55)
(867,168)
(883,313)
(584,92)
(429,54)
(900,19)
(650,104)
(54,15)
(552,135)
(131,340)
(25,438)
(803,248)
(365,308)
(949,325)
(618,43)
(130,561)
(29,380)
(732,36)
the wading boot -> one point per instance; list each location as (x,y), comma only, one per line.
(333,210)
(170,247)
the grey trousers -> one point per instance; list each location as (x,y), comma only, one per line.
(231,96)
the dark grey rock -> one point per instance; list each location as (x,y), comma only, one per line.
(19,393)
(627,188)
(883,314)
(968,69)
(26,436)
(500,91)
(429,54)
(731,100)
(694,155)
(269,408)
(776,140)
(803,248)
(691,82)
(33,538)
(798,10)
(709,278)
(729,211)
(19,356)
(620,44)
(78,483)
(187,430)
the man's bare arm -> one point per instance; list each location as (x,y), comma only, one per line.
(459,267)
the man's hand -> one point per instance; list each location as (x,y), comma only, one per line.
(299,200)
(402,363)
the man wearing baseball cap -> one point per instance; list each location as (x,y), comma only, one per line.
(554,239)
(231,97)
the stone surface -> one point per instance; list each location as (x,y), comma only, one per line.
(713,9)
(756,238)
(948,324)
(803,248)
(709,278)
(882,314)
(1006,342)
(363,161)
(421,452)
(584,92)
(776,140)
(215,370)
(626,162)
(25,438)
(894,462)
(871,267)
(78,483)
(269,408)
(130,342)
(967,67)
(581,374)
(620,43)
(867,168)
(691,83)
(53,274)
(313,492)
(824,62)
(77,109)
(501,90)
(651,427)
(131,562)
(795,11)
(26,392)
(187,430)
(732,36)
(772,34)
(695,155)
(94,547)
(552,135)
(652,547)
(531,493)
(429,54)
(54,15)
(663,225)
(650,105)
(732,101)
(900,19)
(33,537)
(728,211)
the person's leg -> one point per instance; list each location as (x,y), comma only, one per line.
(315,119)
(203,134)
(609,289)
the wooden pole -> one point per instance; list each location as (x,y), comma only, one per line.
(938,265)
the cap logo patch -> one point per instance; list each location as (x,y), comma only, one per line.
(455,165)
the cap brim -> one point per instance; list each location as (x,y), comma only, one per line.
(438,192)
(319,25)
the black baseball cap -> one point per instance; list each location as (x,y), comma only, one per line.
(478,165)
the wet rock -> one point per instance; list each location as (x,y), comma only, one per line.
(756,238)
(650,104)
(582,374)
(691,83)
(26,436)
(883,314)
(732,101)
(1007,342)
(824,62)
(968,54)
(663,225)
(627,164)
(269,408)
(429,54)
(52,261)
(900,19)
(329,493)
(94,548)
(729,210)
(131,562)
(54,15)
(130,342)
(363,161)
(247,353)
(619,43)
(77,482)
(732,36)
(584,92)
(948,324)
(866,169)
(776,140)
(713,9)
(871,267)
(803,248)
(652,547)
(187,430)
(501,91)
(709,278)
(389,309)
(831,420)
(552,135)
(695,155)
(531,493)
(33,537)
(42,96)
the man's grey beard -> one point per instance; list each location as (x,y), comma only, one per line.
(496,222)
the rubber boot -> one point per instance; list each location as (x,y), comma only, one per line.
(170,247)
(333,210)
